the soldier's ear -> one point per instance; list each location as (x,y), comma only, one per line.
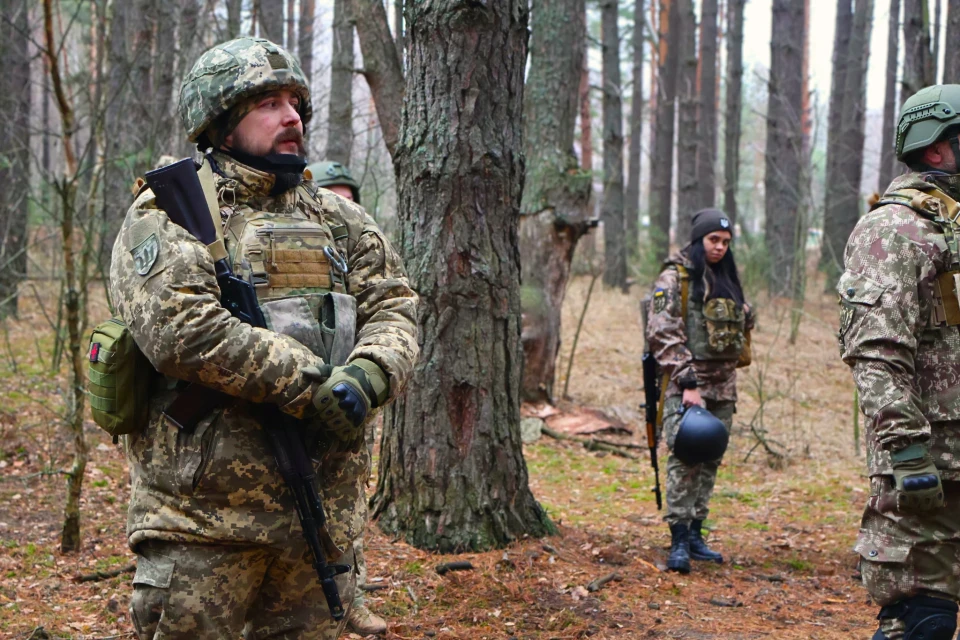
(935,156)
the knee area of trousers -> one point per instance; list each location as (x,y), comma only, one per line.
(923,618)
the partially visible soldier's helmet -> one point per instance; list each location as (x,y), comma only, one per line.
(233,71)
(328,174)
(702,437)
(926,117)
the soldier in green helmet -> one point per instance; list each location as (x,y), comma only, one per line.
(900,333)
(335,177)
(220,551)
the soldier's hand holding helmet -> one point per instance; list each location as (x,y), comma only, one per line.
(347,394)
(916,479)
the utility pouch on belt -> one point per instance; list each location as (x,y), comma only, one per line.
(118,379)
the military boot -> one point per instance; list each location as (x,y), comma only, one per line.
(679,559)
(698,546)
(364,622)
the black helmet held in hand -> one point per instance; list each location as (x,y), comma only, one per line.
(702,437)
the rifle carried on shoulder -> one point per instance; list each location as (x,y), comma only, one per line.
(651,396)
(180,193)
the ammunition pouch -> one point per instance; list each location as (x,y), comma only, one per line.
(118,379)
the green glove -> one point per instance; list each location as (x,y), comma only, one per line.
(916,479)
(347,394)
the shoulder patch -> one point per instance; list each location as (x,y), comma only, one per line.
(659,300)
(145,254)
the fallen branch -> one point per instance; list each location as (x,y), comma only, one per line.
(598,584)
(591,444)
(374,587)
(106,575)
(461,565)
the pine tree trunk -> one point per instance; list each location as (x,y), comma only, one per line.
(586,119)
(707,120)
(556,191)
(688,135)
(951,61)
(917,59)
(291,24)
(305,41)
(452,474)
(731,137)
(887,158)
(381,66)
(234,13)
(935,58)
(615,259)
(270,19)
(836,155)
(398,28)
(631,209)
(661,171)
(784,148)
(15,142)
(340,125)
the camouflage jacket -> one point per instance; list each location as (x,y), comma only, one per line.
(220,483)
(906,364)
(669,339)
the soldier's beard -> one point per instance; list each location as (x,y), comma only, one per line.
(287,168)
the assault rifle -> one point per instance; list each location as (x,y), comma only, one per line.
(651,396)
(181,195)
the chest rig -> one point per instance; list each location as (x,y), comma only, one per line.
(945,213)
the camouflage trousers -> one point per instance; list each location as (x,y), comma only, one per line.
(364,467)
(689,488)
(903,555)
(207,592)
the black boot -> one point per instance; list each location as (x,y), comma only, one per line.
(698,546)
(679,559)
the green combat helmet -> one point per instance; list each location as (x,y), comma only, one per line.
(926,116)
(329,174)
(233,71)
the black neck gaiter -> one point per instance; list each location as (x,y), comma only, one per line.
(287,168)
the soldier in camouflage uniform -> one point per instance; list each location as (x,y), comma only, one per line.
(337,178)
(899,319)
(698,352)
(220,552)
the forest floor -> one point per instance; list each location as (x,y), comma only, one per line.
(784,514)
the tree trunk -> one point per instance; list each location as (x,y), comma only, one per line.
(556,191)
(731,134)
(164,128)
(381,66)
(784,148)
(291,24)
(270,13)
(614,247)
(917,59)
(935,58)
(836,156)
(586,118)
(688,135)
(631,209)
(951,61)
(398,29)
(305,42)
(452,474)
(707,147)
(887,158)
(234,13)
(661,171)
(340,126)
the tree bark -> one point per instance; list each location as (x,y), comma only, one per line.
(707,147)
(661,171)
(381,66)
(291,24)
(452,475)
(556,191)
(631,210)
(951,61)
(688,135)
(784,148)
(340,125)
(935,57)
(234,13)
(305,41)
(615,258)
(887,157)
(586,118)
(270,14)
(731,134)
(917,59)
(398,28)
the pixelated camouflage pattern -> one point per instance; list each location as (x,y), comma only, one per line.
(233,71)
(364,460)
(682,353)
(179,592)
(219,483)
(906,369)
(905,554)
(688,488)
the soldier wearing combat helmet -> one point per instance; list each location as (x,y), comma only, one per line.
(220,552)
(900,333)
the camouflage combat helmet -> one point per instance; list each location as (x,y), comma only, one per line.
(926,116)
(329,174)
(233,71)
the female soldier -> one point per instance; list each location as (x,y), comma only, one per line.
(696,330)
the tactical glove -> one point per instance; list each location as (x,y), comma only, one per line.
(916,479)
(347,394)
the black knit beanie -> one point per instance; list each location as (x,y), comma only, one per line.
(707,221)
